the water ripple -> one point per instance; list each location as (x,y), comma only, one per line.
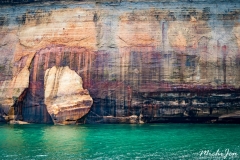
(149,141)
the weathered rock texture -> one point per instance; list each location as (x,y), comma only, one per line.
(141,61)
(65,98)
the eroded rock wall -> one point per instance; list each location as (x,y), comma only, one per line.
(64,96)
(139,60)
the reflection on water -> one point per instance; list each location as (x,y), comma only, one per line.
(156,141)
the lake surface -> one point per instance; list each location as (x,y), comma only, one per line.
(108,141)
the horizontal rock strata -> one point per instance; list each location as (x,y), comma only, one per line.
(141,61)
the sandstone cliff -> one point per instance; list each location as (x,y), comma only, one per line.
(149,61)
(65,99)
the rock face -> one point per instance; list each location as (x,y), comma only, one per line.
(141,61)
(65,98)
(12,90)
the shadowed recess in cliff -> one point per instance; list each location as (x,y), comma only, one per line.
(113,80)
(34,109)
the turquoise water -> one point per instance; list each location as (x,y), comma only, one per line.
(148,141)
